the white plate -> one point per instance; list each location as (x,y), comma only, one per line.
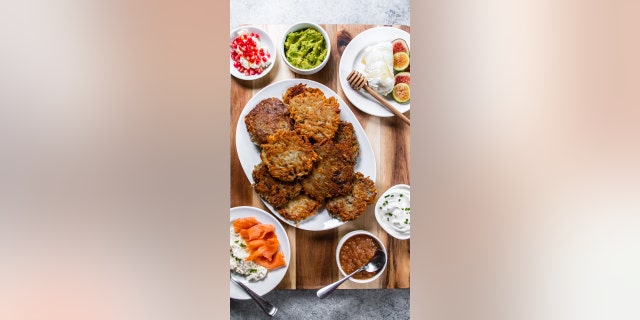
(267,42)
(249,153)
(351,59)
(273,277)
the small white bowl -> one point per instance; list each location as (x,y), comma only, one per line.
(300,26)
(381,217)
(382,247)
(266,42)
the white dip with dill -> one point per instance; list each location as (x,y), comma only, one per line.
(238,252)
(393,211)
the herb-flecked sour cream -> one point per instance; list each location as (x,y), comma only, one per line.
(393,211)
(238,254)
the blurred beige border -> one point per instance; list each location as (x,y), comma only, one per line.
(114,126)
(529,160)
(114,130)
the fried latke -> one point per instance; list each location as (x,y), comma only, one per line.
(274,191)
(296,90)
(332,173)
(266,118)
(288,155)
(315,116)
(351,206)
(300,208)
(346,138)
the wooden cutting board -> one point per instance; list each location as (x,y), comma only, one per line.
(313,258)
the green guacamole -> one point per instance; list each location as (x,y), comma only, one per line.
(305,49)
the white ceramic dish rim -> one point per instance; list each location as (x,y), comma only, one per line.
(351,234)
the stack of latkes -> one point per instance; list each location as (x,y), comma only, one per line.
(308,156)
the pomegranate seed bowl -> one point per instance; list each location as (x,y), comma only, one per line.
(252,53)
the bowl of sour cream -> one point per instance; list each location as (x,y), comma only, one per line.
(393,211)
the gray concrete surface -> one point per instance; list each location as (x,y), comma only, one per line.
(342,304)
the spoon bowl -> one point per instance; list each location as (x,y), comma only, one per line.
(376,263)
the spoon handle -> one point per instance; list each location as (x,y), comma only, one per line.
(266,306)
(388,105)
(330,288)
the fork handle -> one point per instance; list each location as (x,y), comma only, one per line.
(388,105)
(265,305)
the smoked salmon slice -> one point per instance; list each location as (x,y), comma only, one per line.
(244,223)
(262,242)
(267,250)
(255,244)
(276,262)
(259,231)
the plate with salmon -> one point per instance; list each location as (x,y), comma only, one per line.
(306,155)
(259,251)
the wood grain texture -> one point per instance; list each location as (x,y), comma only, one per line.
(313,253)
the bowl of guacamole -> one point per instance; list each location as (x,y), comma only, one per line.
(305,48)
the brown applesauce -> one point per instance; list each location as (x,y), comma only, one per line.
(356,252)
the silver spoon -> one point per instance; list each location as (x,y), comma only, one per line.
(266,306)
(377,262)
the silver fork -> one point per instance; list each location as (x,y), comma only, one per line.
(266,306)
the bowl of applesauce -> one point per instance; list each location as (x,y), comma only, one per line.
(354,250)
